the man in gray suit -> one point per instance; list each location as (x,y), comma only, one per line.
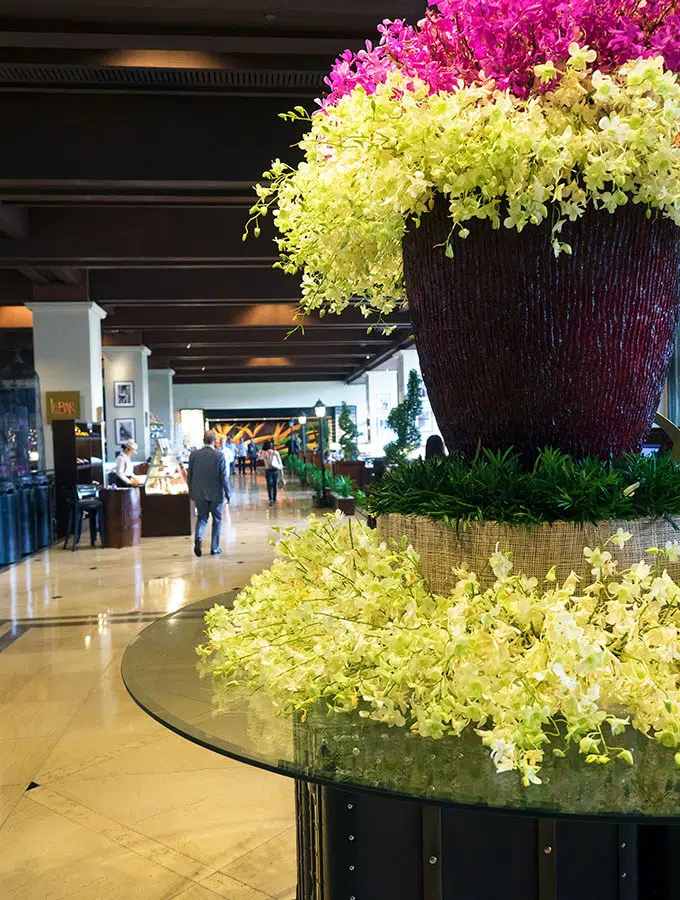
(208,488)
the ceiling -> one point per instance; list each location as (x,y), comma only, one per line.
(134,131)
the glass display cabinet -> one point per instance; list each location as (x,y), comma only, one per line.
(166,474)
(26,491)
(166,507)
(22,444)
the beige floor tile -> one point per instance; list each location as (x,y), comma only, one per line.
(229,889)
(166,753)
(36,718)
(9,797)
(129,799)
(252,809)
(47,856)
(197,892)
(127,809)
(20,760)
(271,868)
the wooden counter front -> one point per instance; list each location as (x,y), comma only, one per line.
(166,515)
(122,516)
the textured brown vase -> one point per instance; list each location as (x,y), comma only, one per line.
(519,348)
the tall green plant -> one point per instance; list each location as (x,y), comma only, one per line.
(403,421)
(350,433)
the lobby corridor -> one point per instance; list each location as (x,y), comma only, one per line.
(97,800)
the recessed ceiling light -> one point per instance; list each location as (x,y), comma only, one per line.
(270,17)
(202,368)
(188,346)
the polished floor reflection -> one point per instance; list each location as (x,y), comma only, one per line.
(97,800)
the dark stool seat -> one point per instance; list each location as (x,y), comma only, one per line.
(84,501)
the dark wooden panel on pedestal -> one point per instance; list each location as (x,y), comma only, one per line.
(122,517)
(166,515)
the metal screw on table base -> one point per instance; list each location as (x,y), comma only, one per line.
(350,806)
(547,850)
(351,868)
(623,845)
(624,874)
(433,860)
(350,837)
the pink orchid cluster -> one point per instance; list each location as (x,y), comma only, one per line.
(505,39)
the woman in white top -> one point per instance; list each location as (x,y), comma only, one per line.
(125,470)
(272,466)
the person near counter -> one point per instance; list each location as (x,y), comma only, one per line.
(208,482)
(124,473)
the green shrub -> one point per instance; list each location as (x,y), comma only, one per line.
(496,487)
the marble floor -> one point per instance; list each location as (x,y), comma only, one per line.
(97,800)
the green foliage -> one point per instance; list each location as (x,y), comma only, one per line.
(496,487)
(311,475)
(350,433)
(402,420)
(343,486)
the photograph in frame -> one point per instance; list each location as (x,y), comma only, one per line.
(123,393)
(125,431)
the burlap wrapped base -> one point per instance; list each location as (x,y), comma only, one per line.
(441,546)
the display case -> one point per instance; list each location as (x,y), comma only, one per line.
(26,491)
(22,445)
(78,459)
(166,508)
(166,474)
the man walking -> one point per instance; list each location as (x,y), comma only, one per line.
(208,488)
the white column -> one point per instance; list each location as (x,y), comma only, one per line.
(161,399)
(67,343)
(382,395)
(406,360)
(125,365)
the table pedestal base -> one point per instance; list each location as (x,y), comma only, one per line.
(359,847)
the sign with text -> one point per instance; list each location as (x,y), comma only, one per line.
(62,405)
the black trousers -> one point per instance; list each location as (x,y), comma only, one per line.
(272,476)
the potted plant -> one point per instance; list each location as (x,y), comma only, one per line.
(342,494)
(350,465)
(403,420)
(514,171)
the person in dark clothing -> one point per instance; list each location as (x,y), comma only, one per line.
(252,456)
(208,488)
(434,448)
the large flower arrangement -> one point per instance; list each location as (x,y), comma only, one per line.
(516,111)
(532,667)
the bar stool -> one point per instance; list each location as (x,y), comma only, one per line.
(84,501)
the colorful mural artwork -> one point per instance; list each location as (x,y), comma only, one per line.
(261,430)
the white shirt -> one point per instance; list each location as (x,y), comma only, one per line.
(272,459)
(124,467)
(229,454)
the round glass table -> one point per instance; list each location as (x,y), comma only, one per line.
(383,813)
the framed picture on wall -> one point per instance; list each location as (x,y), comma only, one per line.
(125,430)
(123,393)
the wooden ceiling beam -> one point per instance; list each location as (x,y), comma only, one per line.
(13,222)
(255,315)
(246,376)
(265,338)
(120,236)
(188,285)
